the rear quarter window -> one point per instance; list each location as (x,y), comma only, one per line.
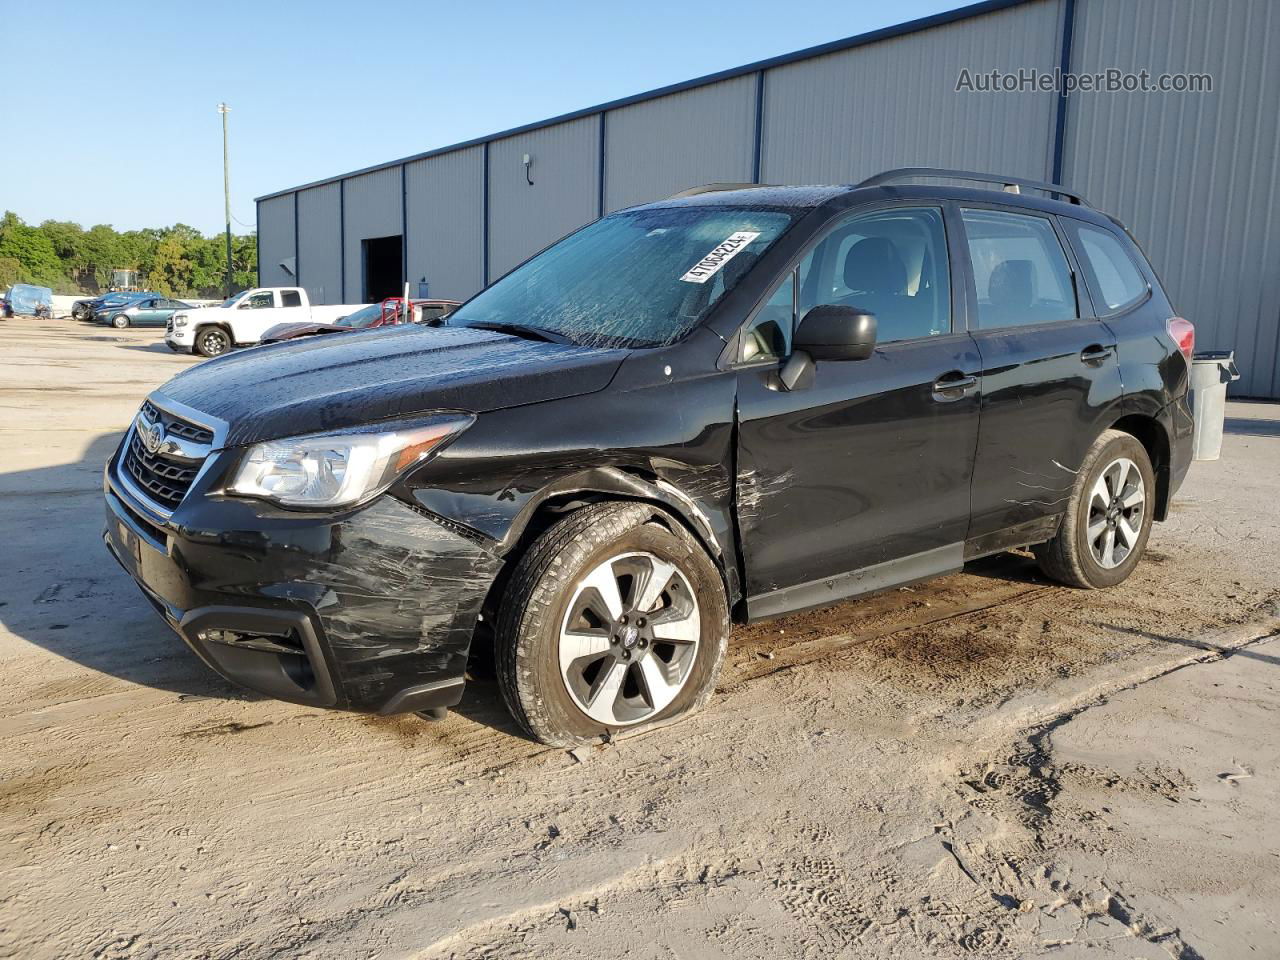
(1114,277)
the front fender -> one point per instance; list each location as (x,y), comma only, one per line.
(670,444)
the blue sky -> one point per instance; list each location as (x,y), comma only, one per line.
(109,110)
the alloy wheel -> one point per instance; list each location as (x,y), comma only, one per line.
(1116,506)
(629,638)
(213,344)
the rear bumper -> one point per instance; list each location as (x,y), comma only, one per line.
(372,611)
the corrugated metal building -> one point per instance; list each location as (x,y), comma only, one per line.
(1193,174)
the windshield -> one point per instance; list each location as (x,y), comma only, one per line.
(639,278)
(361,318)
(234,300)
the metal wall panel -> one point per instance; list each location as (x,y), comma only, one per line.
(320,243)
(275,240)
(663,146)
(445,223)
(565,169)
(1195,176)
(372,207)
(844,116)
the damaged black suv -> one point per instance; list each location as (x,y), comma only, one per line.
(730,405)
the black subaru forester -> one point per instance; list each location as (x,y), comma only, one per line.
(730,405)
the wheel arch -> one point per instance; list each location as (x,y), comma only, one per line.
(213,325)
(560,498)
(1153,436)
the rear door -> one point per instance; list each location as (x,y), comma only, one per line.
(1050,380)
(859,478)
(291,309)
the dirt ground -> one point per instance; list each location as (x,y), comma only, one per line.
(986,765)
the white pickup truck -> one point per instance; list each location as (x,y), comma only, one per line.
(244,318)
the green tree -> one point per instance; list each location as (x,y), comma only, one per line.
(177,260)
(31,248)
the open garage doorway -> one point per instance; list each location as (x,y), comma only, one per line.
(383,266)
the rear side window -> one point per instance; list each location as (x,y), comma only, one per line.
(1113,275)
(1020,271)
(290,298)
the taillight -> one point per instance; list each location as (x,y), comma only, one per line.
(1184,335)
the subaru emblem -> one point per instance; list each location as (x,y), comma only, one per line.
(150,433)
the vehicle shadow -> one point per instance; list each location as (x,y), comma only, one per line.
(1012,567)
(482,704)
(64,592)
(158,347)
(1249,427)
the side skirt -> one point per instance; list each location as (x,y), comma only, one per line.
(880,576)
(1011,538)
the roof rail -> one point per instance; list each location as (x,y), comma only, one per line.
(1010,184)
(716,188)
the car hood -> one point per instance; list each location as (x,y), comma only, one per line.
(315,384)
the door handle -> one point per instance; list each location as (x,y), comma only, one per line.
(1094,354)
(953,386)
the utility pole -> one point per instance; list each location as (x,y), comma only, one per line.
(226,189)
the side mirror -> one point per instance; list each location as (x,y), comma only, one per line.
(834,332)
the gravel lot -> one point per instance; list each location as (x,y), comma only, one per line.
(987,765)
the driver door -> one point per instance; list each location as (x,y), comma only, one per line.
(858,479)
(255,315)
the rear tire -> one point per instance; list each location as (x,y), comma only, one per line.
(577,658)
(1108,520)
(212,342)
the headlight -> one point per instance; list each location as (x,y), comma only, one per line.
(343,468)
(179,319)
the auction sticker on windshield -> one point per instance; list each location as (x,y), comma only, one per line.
(710,265)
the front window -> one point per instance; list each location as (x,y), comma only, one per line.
(639,278)
(364,317)
(259,301)
(891,262)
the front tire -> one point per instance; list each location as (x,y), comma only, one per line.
(120,322)
(615,619)
(1108,520)
(212,342)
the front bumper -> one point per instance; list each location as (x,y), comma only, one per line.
(373,610)
(179,338)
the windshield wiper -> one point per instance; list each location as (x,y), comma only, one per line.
(519,330)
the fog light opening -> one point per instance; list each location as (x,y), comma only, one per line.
(286,642)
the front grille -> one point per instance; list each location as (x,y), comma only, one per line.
(176,426)
(164,478)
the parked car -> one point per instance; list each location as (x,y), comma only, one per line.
(147,312)
(387,313)
(722,407)
(28,300)
(87,310)
(243,319)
